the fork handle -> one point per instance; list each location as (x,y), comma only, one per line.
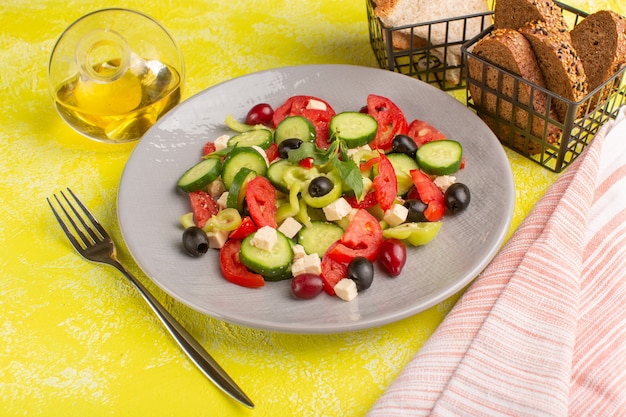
(199,356)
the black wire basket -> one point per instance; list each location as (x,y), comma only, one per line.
(555,144)
(415,51)
(428,60)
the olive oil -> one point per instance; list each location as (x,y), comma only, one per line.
(121,110)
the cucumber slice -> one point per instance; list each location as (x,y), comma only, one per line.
(440,157)
(200,175)
(298,127)
(261,137)
(237,191)
(318,237)
(240,158)
(403,164)
(272,263)
(276,174)
(354,128)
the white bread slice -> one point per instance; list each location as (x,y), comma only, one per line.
(395,13)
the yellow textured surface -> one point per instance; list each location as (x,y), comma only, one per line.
(77,340)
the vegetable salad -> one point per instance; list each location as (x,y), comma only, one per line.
(304,193)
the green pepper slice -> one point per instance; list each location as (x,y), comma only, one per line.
(417,234)
(227,219)
(326,199)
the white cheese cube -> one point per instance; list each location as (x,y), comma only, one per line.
(337,210)
(290,227)
(217,238)
(313,264)
(221,202)
(353,151)
(307,264)
(298,251)
(346,289)
(265,238)
(262,153)
(316,105)
(444,181)
(396,215)
(221,142)
(216,188)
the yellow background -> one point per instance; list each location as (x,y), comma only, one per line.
(77,340)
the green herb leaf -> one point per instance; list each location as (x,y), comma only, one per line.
(306,150)
(350,175)
(222,152)
(343,148)
(326,156)
(348,169)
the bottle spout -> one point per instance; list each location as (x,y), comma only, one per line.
(102,56)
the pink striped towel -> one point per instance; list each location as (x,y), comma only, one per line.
(542,331)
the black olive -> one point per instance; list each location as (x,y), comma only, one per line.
(404,144)
(416,211)
(195,241)
(457,197)
(361,271)
(286,145)
(245,211)
(320,186)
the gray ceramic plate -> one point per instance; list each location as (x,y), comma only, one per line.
(149,205)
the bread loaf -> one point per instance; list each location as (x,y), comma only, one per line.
(508,49)
(514,14)
(395,13)
(401,40)
(600,41)
(562,69)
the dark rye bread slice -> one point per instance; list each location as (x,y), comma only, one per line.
(562,69)
(514,14)
(600,41)
(509,50)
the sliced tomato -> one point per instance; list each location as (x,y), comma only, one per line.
(272,152)
(332,271)
(363,237)
(423,132)
(391,121)
(233,270)
(307,163)
(368,200)
(261,199)
(247,227)
(208,148)
(203,207)
(299,106)
(369,164)
(430,195)
(385,183)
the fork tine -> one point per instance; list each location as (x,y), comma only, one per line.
(81,218)
(91,217)
(63,224)
(87,239)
